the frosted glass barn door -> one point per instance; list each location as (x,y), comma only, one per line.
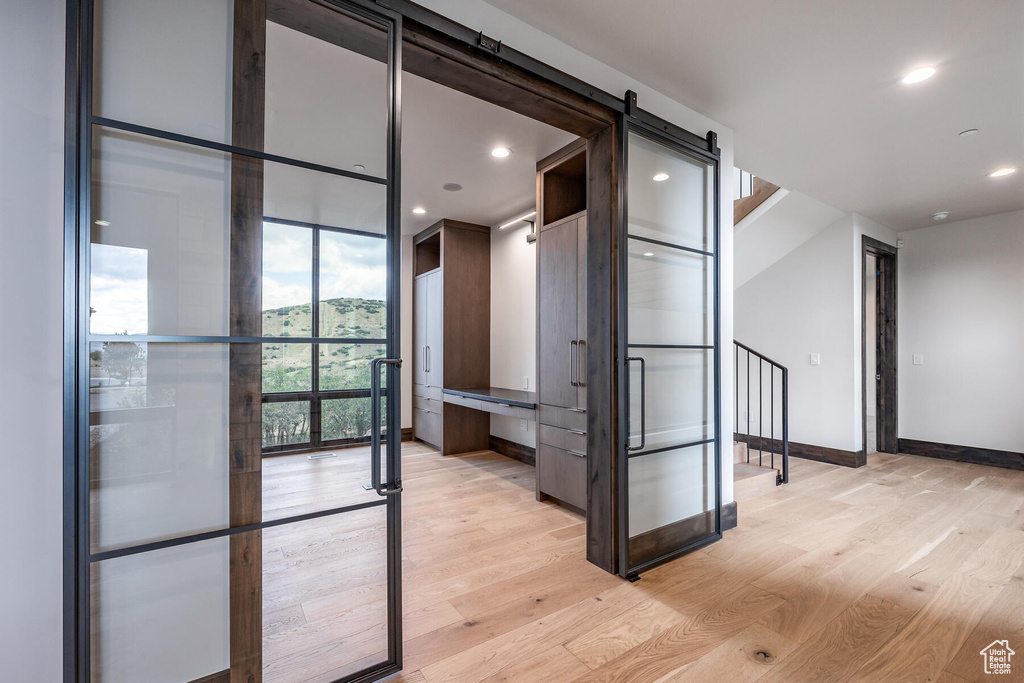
(219,137)
(669,454)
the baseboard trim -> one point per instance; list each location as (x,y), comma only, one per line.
(832,456)
(730,519)
(407,434)
(511,449)
(979,456)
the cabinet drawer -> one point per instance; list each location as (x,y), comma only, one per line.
(427,427)
(427,391)
(454,399)
(511,411)
(562,438)
(562,475)
(428,404)
(562,417)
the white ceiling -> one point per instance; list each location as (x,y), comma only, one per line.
(447,137)
(811,89)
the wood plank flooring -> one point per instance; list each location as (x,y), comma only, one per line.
(899,571)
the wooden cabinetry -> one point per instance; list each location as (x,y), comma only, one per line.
(451,332)
(561,326)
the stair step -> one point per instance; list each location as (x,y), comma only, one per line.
(739,454)
(751,481)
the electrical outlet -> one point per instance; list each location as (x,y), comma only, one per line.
(815,359)
(524,425)
(526,381)
(918,359)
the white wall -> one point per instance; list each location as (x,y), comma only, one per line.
(809,302)
(31,262)
(799,306)
(961,305)
(513,323)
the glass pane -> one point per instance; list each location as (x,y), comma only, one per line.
(160,235)
(672,486)
(285,423)
(325,597)
(165,65)
(161,616)
(158,441)
(287,367)
(671,296)
(347,366)
(670,195)
(325,103)
(349,418)
(353,286)
(287,281)
(298,194)
(679,397)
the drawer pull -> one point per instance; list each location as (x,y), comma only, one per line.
(577,431)
(505,405)
(577,454)
(577,410)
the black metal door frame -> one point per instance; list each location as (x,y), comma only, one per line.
(706,150)
(79,123)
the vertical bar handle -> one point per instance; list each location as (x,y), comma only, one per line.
(581,363)
(573,350)
(643,404)
(375,435)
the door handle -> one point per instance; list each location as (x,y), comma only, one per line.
(573,347)
(643,404)
(426,350)
(375,436)
(581,347)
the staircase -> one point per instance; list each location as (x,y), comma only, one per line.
(760,461)
(752,477)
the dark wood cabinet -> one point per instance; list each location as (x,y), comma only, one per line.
(561,327)
(451,332)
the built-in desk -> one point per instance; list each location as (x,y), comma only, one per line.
(497,400)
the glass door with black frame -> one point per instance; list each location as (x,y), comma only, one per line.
(240,291)
(668,458)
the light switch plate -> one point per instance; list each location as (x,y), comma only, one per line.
(815,359)
(918,359)
(526,381)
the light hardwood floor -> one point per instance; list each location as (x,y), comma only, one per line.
(899,571)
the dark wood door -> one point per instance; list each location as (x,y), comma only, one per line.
(557,313)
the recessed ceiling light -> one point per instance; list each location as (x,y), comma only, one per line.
(941,215)
(1000,172)
(658,177)
(451,187)
(419,210)
(918,75)
(648,253)
(103,224)
(500,152)
(359,167)
(969,131)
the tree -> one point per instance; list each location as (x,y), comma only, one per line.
(124,360)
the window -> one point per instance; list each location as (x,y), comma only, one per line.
(324,291)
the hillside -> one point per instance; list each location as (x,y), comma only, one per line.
(287,367)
